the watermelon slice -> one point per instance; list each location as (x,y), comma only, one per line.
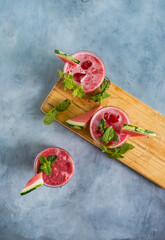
(33,183)
(134,131)
(83,120)
(66,58)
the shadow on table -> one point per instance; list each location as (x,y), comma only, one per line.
(22,156)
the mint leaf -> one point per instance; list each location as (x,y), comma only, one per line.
(108,135)
(63,105)
(52,159)
(124,148)
(115,137)
(79,92)
(115,155)
(98,97)
(105,95)
(105,84)
(50,116)
(60,73)
(102,125)
(103,147)
(43,159)
(46,168)
(69,83)
(69,76)
(116,152)
(52,162)
(46,164)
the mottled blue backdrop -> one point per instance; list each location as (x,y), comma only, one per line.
(105,200)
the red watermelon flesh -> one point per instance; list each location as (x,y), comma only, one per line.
(35,182)
(34,179)
(82,121)
(65,60)
(132,133)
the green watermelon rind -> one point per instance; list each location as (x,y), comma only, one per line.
(138,130)
(32,187)
(66,56)
(77,125)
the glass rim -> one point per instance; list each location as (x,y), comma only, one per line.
(45,184)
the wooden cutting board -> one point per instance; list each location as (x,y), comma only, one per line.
(148,156)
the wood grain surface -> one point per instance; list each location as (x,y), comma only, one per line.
(148,156)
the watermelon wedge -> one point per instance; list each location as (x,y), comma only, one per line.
(134,131)
(32,184)
(83,120)
(66,58)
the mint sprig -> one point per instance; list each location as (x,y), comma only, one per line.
(116,152)
(109,133)
(69,83)
(50,116)
(61,107)
(53,113)
(46,164)
(98,97)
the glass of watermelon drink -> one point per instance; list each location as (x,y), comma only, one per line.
(114,117)
(62,169)
(90,72)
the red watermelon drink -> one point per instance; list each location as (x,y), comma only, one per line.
(90,72)
(62,168)
(114,117)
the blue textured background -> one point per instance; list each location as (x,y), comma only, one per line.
(105,200)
